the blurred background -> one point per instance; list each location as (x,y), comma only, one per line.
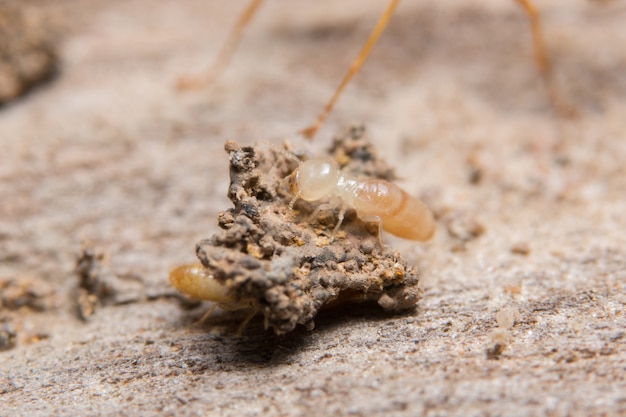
(99,147)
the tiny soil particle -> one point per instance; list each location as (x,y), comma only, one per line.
(7,336)
(26,53)
(286,263)
(30,292)
(463,227)
(506,317)
(475,168)
(520,248)
(98,285)
(498,342)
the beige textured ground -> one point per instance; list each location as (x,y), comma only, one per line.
(110,153)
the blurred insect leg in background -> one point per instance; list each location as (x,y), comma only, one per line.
(225,54)
(544,65)
(310,131)
(234,38)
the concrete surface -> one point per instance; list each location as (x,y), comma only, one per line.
(524,304)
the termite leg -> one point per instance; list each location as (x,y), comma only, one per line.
(342,212)
(379,222)
(326,206)
(329,206)
(245,322)
(543,61)
(310,131)
(225,54)
(206,315)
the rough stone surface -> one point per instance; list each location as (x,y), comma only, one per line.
(530,211)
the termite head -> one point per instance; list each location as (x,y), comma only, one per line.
(315,178)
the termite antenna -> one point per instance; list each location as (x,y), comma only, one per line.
(225,54)
(294,199)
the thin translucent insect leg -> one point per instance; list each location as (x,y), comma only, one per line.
(310,131)
(225,54)
(207,314)
(327,206)
(340,217)
(379,222)
(246,321)
(543,61)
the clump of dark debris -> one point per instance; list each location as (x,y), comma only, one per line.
(19,294)
(285,263)
(8,335)
(26,292)
(98,285)
(27,55)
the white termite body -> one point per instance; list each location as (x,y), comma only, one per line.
(374,200)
